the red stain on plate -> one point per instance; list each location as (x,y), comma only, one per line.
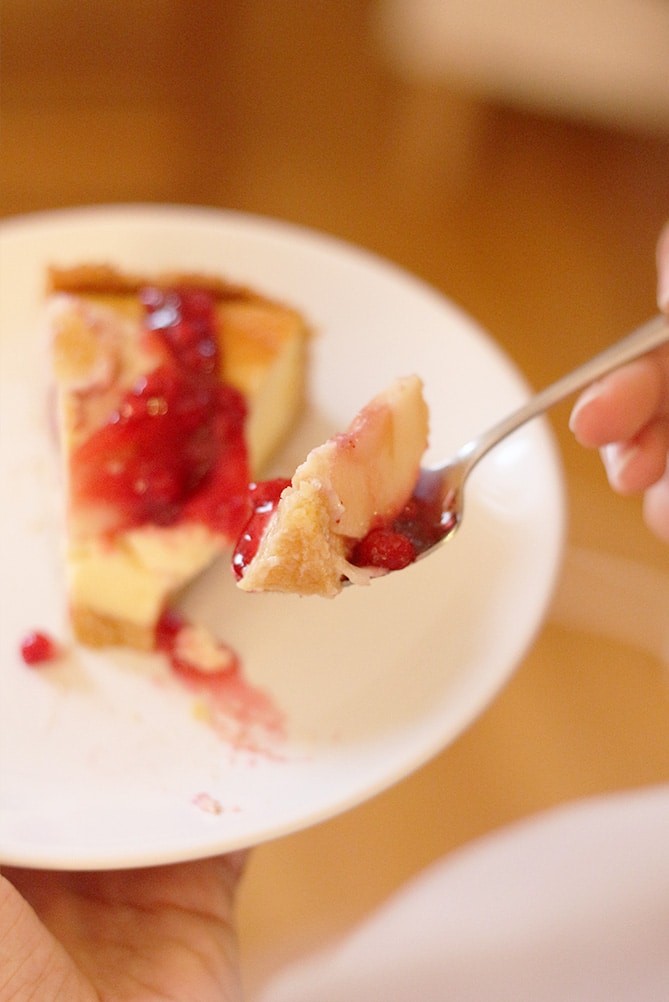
(243,714)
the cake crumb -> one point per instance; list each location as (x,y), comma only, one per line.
(207,803)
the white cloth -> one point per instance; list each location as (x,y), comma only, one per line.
(603,60)
(569,906)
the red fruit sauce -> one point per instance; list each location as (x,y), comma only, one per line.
(243,714)
(38,647)
(264,498)
(174,449)
(418,526)
(390,545)
(168,629)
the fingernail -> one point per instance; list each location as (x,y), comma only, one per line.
(585,399)
(616,459)
(663,270)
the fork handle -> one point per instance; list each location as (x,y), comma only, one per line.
(650,335)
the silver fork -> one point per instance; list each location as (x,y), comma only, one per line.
(444,484)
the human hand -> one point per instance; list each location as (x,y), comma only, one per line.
(146,935)
(626,416)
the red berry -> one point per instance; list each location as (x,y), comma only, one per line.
(384,548)
(37,647)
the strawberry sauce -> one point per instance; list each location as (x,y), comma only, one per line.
(173,450)
(264,497)
(418,526)
(240,712)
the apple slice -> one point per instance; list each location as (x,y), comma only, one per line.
(355,483)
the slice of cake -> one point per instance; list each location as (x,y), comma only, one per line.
(173,392)
(349,512)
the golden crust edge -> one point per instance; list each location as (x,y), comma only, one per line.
(93,629)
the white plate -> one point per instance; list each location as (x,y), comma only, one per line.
(103,762)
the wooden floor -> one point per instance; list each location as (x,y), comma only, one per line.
(543,229)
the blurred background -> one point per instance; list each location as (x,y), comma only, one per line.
(516,156)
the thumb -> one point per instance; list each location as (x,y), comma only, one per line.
(33,965)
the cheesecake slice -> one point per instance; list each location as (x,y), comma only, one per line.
(349,512)
(173,392)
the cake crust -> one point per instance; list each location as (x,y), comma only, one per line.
(105,279)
